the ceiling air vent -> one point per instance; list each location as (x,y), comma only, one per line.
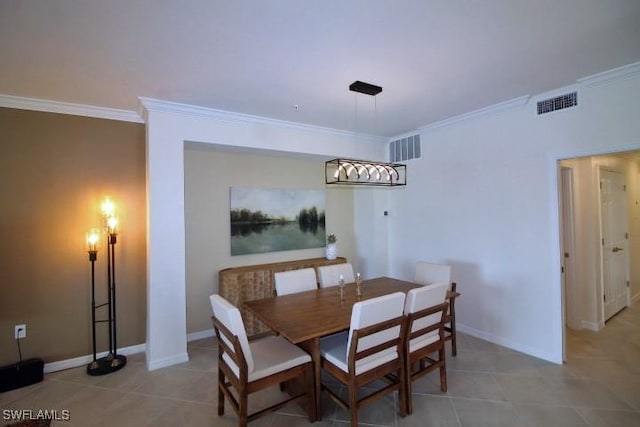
(558,103)
(404,149)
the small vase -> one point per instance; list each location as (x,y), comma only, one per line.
(332,251)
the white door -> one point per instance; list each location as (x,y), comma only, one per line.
(615,247)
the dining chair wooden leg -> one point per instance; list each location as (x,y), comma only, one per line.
(353,403)
(243,403)
(221,380)
(454,347)
(408,387)
(404,391)
(452,323)
(443,370)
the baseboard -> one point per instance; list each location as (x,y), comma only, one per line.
(167,361)
(509,344)
(591,326)
(194,336)
(85,360)
(134,349)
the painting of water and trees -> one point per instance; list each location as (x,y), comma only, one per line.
(269,220)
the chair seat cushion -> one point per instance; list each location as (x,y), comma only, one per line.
(334,349)
(271,355)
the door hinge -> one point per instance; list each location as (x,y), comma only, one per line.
(624,187)
(628,284)
(562,269)
(600,185)
(604,297)
(566,254)
(603,241)
(626,236)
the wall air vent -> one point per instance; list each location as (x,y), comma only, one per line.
(558,103)
(404,149)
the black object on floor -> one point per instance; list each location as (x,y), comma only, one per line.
(21,374)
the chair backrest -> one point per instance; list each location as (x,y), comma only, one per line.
(425,296)
(421,298)
(329,275)
(427,273)
(291,282)
(373,311)
(230,317)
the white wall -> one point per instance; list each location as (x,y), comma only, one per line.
(484,198)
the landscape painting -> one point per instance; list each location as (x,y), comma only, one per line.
(270,220)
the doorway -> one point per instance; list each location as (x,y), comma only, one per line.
(598,280)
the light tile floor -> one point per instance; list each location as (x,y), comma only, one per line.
(488,386)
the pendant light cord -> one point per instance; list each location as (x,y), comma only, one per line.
(375,114)
(357,124)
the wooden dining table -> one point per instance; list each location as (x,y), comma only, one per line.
(303,318)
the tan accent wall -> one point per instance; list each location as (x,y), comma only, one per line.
(54,171)
(209,173)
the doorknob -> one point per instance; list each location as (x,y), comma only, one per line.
(617,249)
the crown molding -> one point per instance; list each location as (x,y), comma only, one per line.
(147,105)
(610,76)
(492,109)
(34,104)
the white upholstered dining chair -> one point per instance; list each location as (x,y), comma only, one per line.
(329,275)
(293,281)
(247,367)
(425,308)
(372,349)
(427,273)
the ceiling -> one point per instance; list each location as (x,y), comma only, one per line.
(434,59)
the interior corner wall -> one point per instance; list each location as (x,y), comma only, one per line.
(372,211)
(209,175)
(484,198)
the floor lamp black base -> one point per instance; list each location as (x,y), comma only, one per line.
(106,365)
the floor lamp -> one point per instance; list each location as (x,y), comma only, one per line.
(93,240)
(112,361)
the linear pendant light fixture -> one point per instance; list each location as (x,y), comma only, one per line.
(365,172)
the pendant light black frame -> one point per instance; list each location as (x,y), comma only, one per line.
(343,171)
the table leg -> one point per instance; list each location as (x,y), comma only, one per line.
(312,347)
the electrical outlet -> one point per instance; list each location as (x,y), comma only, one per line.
(20,332)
